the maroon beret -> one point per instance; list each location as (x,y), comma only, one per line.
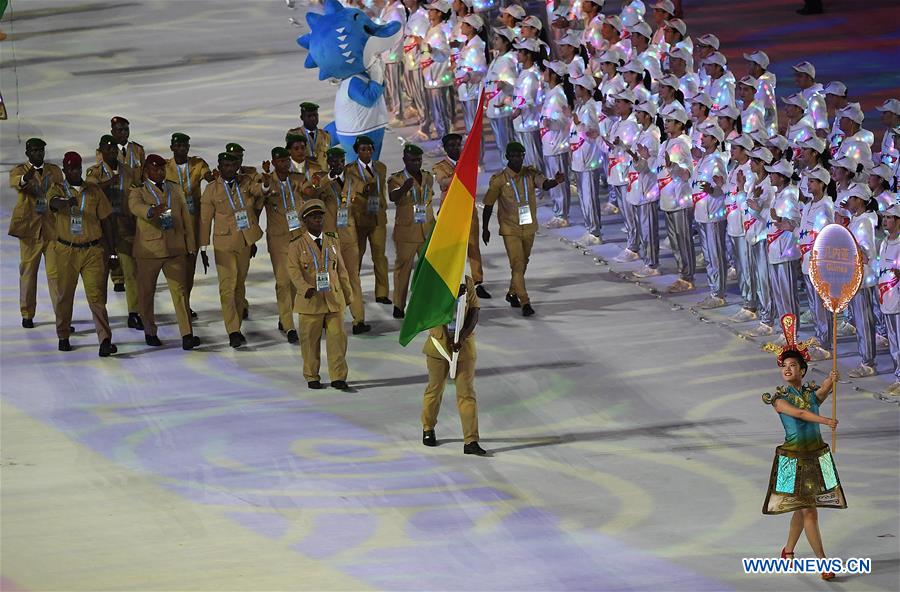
(155,160)
(71,158)
(118,119)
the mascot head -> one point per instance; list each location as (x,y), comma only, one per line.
(344,41)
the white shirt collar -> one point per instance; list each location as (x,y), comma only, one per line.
(312,236)
(300,166)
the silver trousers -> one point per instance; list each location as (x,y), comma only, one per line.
(533,152)
(414,84)
(892,324)
(613,196)
(393,93)
(678,230)
(629,214)
(562,193)
(783,283)
(759,282)
(741,251)
(469,108)
(821,317)
(880,327)
(439,103)
(589,195)
(864,321)
(503,134)
(648,233)
(714,253)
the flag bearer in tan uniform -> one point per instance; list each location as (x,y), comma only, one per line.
(234,204)
(367,178)
(317,140)
(163,241)
(412,191)
(443,174)
(116,178)
(335,194)
(514,188)
(283,223)
(439,371)
(85,240)
(323,290)
(187,172)
(32,223)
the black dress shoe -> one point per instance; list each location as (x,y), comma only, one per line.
(118,287)
(71,329)
(152,340)
(28,323)
(481,292)
(292,337)
(107,349)
(398,314)
(513,300)
(340,385)
(314,384)
(64,345)
(235,339)
(135,321)
(193,314)
(280,327)
(527,311)
(189,341)
(428,438)
(246,314)
(383,300)
(361,328)
(243,339)
(474,448)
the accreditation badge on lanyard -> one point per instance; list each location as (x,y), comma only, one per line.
(418,208)
(343,213)
(76,216)
(115,200)
(374,202)
(290,213)
(240,215)
(323,281)
(165,219)
(41,203)
(185,182)
(524,209)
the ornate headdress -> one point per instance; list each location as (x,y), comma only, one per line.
(789,328)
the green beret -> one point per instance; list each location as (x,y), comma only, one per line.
(336,151)
(515,147)
(227,156)
(291,138)
(307,106)
(35,143)
(311,206)
(233,148)
(279,152)
(363,141)
(107,139)
(179,138)
(412,149)
(449,137)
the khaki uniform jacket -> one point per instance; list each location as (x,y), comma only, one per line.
(443,174)
(134,157)
(443,335)
(360,206)
(277,206)
(197,168)
(405,228)
(26,223)
(151,241)
(96,208)
(215,205)
(335,197)
(118,198)
(317,149)
(302,269)
(502,191)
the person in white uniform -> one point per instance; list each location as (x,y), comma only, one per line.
(817,213)
(805,78)
(737,185)
(888,290)
(758,64)
(527,102)
(641,191)
(587,159)
(556,125)
(708,195)
(499,88)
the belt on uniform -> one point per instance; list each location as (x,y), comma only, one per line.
(93,243)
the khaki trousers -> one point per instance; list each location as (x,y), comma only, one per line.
(311,326)
(285,292)
(190,270)
(90,264)
(127,270)
(30,253)
(438,372)
(403,266)
(147,275)
(232,268)
(518,250)
(474,252)
(350,255)
(377,238)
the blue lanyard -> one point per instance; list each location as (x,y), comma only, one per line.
(362,173)
(516,189)
(185,181)
(68,188)
(316,259)
(281,185)
(149,186)
(310,141)
(415,193)
(228,193)
(341,202)
(109,172)
(130,153)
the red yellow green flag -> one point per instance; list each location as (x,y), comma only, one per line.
(438,274)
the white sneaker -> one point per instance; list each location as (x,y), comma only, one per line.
(817,354)
(712,302)
(845,329)
(732,274)
(626,256)
(589,240)
(894,389)
(743,316)
(607,209)
(555,222)
(881,342)
(680,286)
(760,330)
(806,318)
(862,371)
(645,272)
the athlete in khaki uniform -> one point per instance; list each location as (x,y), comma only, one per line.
(306,170)
(163,240)
(334,193)
(85,239)
(251,174)
(367,180)
(443,174)
(514,189)
(116,179)
(234,204)
(32,223)
(439,371)
(412,191)
(283,223)
(323,290)
(187,172)
(318,141)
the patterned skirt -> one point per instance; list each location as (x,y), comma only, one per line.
(803,479)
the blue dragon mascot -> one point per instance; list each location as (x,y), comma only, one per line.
(346,44)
